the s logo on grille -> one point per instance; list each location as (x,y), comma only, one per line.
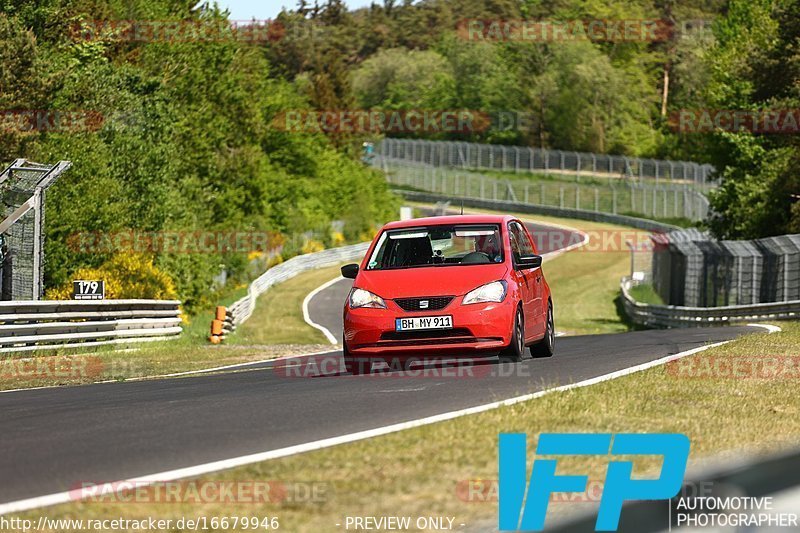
(423,304)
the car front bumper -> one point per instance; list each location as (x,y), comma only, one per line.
(477,329)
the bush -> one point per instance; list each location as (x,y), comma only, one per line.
(126,276)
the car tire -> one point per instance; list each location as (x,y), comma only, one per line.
(546,346)
(355,365)
(516,349)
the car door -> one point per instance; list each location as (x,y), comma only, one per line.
(526,279)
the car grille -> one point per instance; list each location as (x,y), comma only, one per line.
(435,303)
(425,334)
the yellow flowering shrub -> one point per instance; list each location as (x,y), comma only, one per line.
(126,276)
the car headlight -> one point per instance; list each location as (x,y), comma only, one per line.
(491,292)
(361,298)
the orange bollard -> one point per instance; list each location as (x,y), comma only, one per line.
(214,339)
(216,327)
(221,313)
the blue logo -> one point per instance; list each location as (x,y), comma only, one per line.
(518,513)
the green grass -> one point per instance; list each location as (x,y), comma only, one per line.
(417,472)
(278,317)
(646,294)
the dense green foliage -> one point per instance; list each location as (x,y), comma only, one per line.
(186,143)
(579,95)
(755,65)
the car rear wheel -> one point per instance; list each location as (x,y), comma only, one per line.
(355,365)
(546,346)
(516,349)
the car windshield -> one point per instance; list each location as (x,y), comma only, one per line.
(465,244)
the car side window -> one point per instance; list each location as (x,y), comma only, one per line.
(525,244)
(512,237)
(520,243)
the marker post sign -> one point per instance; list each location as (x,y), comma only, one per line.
(88,290)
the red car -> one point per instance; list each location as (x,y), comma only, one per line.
(450,286)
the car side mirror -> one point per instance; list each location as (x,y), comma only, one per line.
(529,261)
(350,271)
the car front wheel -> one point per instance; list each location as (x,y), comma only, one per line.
(516,349)
(355,365)
(546,346)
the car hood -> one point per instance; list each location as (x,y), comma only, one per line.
(429,281)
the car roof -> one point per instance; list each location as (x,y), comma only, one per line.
(449,219)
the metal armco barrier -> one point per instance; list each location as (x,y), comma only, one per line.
(36,325)
(674,316)
(243,308)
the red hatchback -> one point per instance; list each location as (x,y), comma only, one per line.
(450,286)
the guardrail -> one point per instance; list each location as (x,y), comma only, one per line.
(35,325)
(671,316)
(243,308)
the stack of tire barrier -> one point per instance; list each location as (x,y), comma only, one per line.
(691,268)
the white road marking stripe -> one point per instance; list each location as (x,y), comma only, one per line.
(307,317)
(226,464)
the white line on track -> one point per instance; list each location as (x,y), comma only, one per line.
(225,464)
(307,317)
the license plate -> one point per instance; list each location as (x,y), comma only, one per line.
(423,322)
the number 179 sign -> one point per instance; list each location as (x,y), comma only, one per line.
(88,290)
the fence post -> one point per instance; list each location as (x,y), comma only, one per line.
(577,197)
(561,197)
(531,161)
(541,194)
(596,200)
(526,193)
(494,196)
(614,200)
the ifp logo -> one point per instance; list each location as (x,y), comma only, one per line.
(518,513)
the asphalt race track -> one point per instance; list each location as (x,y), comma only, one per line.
(56,439)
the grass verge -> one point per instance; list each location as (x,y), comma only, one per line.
(422,471)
